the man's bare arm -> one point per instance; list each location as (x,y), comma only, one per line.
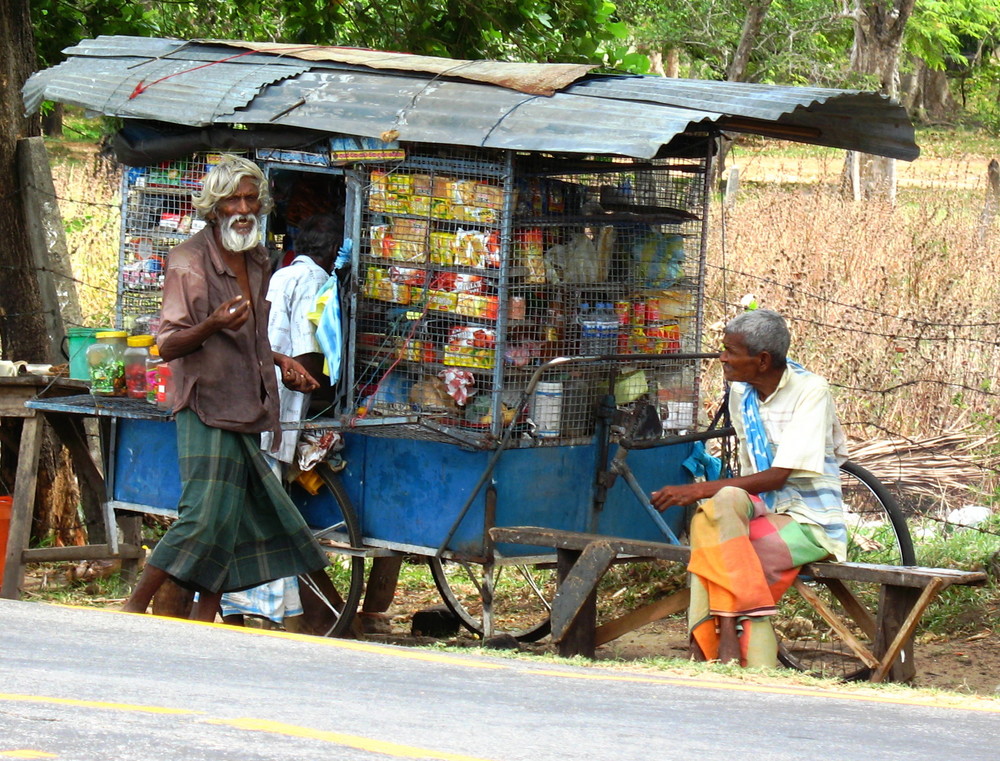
(229,316)
(687,494)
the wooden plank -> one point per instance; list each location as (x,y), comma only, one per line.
(612,630)
(899,613)
(900,576)
(83,552)
(819,604)
(578,585)
(576,540)
(579,639)
(852,605)
(25,481)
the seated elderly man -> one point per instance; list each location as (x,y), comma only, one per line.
(750,534)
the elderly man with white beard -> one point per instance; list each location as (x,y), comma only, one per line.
(236,526)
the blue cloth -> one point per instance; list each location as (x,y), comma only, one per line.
(329,331)
(757,444)
(700,464)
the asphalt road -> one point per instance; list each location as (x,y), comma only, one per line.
(81,685)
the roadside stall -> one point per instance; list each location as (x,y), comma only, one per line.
(522,320)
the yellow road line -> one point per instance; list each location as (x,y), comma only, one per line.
(94,704)
(351,741)
(26,754)
(925,702)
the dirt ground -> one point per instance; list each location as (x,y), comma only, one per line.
(966,664)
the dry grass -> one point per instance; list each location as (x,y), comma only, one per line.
(90,204)
(895,305)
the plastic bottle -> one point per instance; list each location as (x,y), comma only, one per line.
(607,328)
(153,363)
(106,363)
(589,327)
(164,386)
(136,354)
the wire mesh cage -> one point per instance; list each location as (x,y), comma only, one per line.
(156,216)
(477,268)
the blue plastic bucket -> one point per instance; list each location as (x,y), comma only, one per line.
(78,340)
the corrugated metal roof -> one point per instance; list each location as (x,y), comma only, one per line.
(202,83)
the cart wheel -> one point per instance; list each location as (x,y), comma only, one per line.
(331,599)
(877,533)
(522,596)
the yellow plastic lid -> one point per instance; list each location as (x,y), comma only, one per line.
(111,334)
(141,340)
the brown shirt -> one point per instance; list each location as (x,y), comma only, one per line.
(230,381)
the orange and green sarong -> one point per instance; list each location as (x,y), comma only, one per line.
(742,560)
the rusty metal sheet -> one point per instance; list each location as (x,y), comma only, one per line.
(532,78)
(200,83)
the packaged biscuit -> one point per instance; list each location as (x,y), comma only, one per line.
(421,185)
(408,275)
(477,305)
(470,346)
(408,251)
(409,229)
(397,203)
(528,253)
(442,301)
(488,196)
(397,182)
(441,208)
(381,241)
(462,192)
(443,248)
(420,206)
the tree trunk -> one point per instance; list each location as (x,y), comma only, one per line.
(52,122)
(752,23)
(878,37)
(23,331)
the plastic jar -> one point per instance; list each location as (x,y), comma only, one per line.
(153,363)
(164,385)
(106,363)
(136,354)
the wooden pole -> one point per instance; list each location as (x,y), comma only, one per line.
(992,202)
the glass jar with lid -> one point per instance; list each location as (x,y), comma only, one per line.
(106,363)
(136,354)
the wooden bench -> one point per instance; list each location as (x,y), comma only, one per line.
(582,559)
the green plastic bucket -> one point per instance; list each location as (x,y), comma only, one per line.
(79,339)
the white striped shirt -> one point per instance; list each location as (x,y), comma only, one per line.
(805,436)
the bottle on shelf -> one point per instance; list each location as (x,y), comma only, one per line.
(607,329)
(153,363)
(589,326)
(164,387)
(135,357)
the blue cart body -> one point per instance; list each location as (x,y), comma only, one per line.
(409,493)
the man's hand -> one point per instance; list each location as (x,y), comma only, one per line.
(231,314)
(294,375)
(683,495)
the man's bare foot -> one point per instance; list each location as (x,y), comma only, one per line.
(694,652)
(729,641)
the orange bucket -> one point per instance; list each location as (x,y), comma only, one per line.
(6,504)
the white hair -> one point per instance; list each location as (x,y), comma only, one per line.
(222,181)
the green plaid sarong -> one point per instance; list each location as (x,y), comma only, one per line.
(236,526)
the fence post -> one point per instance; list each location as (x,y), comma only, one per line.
(992,202)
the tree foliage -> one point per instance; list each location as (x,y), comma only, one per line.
(584,31)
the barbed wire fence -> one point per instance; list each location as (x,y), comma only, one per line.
(895,306)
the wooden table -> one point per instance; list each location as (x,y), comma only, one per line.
(16,396)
